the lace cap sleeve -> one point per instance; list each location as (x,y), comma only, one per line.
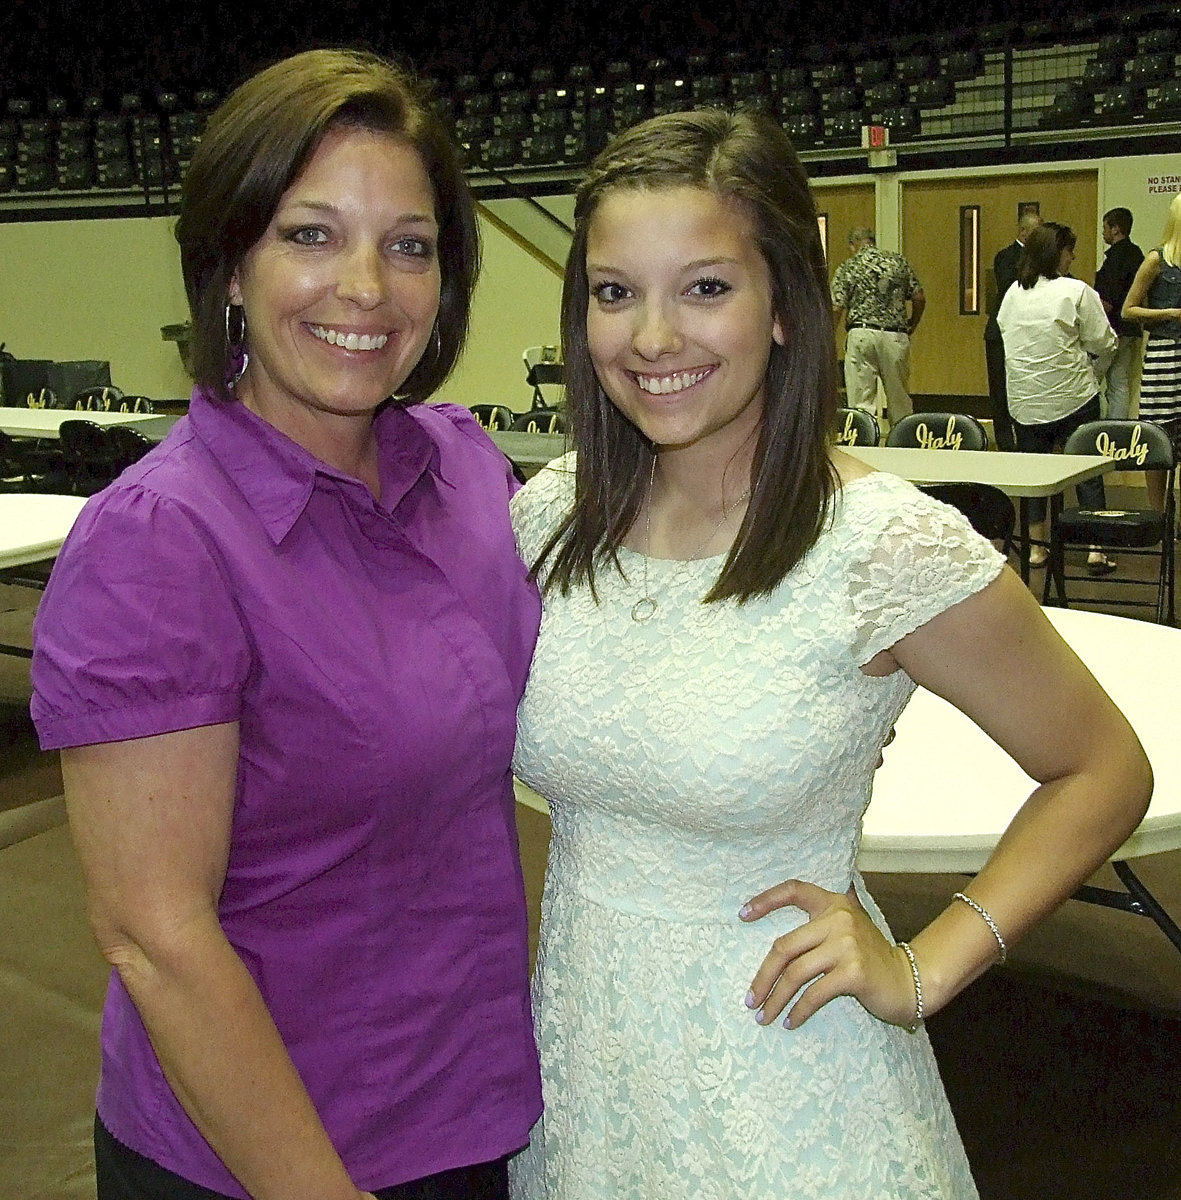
(918,557)
(538,507)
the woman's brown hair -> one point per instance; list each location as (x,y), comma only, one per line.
(253,149)
(1039,257)
(743,157)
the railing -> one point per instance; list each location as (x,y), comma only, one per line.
(1007,92)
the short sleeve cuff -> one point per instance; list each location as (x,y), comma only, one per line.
(57,732)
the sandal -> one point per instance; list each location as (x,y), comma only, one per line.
(1100,564)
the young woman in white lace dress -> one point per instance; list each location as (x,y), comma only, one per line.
(735,615)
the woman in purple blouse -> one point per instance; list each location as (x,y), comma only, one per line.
(282,657)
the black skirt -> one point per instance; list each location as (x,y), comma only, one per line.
(122,1174)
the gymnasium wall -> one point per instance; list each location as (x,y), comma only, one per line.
(103,288)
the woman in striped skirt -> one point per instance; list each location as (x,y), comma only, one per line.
(1155,300)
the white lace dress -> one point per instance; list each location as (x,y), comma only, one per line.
(691,762)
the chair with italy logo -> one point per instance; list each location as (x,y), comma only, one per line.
(939,431)
(1137,446)
(856,427)
(989,510)
(540,420)
(493,416)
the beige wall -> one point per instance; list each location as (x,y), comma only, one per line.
(103,288)
(95,289)
(844,206)
(1146,185)
(517,305)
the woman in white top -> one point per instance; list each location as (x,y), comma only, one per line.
(735,613)
(1051,323)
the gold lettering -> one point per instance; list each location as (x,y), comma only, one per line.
(951,440)
(1135,449)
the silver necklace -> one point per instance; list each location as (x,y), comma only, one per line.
(645,607)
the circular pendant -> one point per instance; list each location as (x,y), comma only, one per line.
(643,609)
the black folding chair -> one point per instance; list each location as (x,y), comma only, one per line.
(857,427)
(1138,446)
(493,416)
(939,431)
(89,456)
(990,512)
(540,420)
(96,399)
(127,446)
(542,374)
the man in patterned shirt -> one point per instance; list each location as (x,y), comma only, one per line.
(871,289)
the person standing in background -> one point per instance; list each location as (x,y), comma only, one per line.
(1155,299)
(1112,281)
(1052,325)
(1004,269)
(871,289)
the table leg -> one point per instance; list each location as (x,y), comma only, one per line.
(1023,552)
(1055,566)
(1137,899)
(19,577)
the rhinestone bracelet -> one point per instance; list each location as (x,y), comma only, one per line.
(987,916)
(918,987)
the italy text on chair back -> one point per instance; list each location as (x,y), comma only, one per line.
(541,420)
(939,431)
(857,427)
(493,416)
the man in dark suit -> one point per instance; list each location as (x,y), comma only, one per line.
(1004,267)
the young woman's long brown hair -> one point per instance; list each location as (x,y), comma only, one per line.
(746,157)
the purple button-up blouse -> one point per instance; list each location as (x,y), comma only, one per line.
(373,654)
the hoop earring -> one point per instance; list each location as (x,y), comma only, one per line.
(438,341)
(236,341)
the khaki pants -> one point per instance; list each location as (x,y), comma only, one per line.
(873,354)
(1118,372)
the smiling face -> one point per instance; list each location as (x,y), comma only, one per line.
(341,291)
(680,322)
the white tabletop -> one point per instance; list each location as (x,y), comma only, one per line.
(946,791)
(46,422)
(530,451)
(33,527)
(1016,474)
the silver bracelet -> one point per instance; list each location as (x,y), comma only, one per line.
(987,916)
(918,987)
